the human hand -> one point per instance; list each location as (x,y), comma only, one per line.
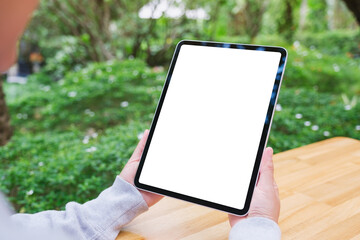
(265,201)
(129,171)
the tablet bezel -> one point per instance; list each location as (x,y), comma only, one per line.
(264,135)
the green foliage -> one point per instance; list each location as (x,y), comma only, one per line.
(312,69)
(77,122)
(287,19)
(46,170)
(69,55)
(317,16)
(98,96)
(69,147)
(308,116)
(338,42)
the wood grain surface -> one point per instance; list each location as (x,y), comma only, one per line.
(319,188)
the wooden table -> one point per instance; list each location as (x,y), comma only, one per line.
(319,188)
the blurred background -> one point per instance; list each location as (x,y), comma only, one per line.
(90,72)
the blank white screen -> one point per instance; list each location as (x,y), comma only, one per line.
(209,128)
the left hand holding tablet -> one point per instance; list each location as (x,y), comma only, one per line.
(129,171)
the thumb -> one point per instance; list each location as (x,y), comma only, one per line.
(140,147)
(266,169)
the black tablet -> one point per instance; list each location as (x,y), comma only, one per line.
(212,123)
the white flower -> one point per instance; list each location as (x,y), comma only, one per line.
(89,112)
(304,53)
(94,135)
(296,44)
(91,149)
(30,192)
(336,67)
(41,164)
(124,104)
(111,79)
(326,133)
(298,116)
(112,27)
(140,135)
(315,128)
(347,107)
(307,123)
(278,107)
(46,88)
(357,127)
(86,140)
(22,116)
(72,94)
(298,63)
(319,55)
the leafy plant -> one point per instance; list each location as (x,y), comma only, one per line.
(98,96)
(74,136)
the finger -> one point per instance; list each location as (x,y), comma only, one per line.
(276,188)
(267,153)
(140,147)
(267,169)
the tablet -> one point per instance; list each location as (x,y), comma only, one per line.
(211,124)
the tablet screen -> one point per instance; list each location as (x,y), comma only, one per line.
(205,140)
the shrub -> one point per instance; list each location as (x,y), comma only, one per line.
(311,69)
(307,116)
(99,96)
(74,136)
(340,42)
(47,170)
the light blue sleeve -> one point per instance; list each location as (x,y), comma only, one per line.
(255,228)
(101,218)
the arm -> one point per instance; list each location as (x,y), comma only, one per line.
(261,222)
(101,218)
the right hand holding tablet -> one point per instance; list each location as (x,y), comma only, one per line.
(265,202)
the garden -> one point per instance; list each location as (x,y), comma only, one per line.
(77,121)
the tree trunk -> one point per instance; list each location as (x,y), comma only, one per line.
(354,7)
(253,12)
(5,128)
(287,24)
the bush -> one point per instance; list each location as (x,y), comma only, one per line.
(47,170)
(333,42)
(74,136)
(99,96)
(311,69)
(70,54)
(307,116)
